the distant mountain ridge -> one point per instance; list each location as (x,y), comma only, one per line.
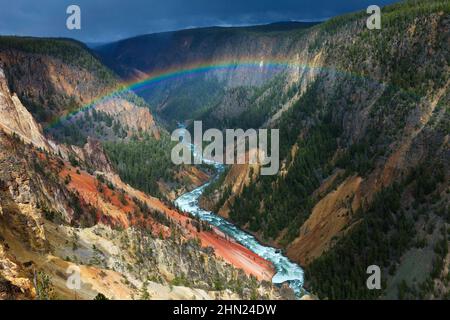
(158,51)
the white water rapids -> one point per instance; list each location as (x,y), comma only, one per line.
(286,270)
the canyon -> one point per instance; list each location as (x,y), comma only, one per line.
(86,179)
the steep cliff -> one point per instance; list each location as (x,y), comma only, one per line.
(55,218)
(55,78)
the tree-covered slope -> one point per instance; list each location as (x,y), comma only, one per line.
(365,156)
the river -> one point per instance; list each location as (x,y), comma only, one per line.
(286,270)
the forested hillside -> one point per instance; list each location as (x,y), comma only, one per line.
(365,158)
(58,78)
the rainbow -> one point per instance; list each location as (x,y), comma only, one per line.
(187,71)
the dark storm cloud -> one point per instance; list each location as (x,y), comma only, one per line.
(115,19)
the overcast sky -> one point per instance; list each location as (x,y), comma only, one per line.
(109,20)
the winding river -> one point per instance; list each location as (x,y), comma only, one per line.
(286,270)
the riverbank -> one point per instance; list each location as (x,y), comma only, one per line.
(224,246)
(285,270)
(238,255)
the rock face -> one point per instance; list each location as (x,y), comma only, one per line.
(54,216)
(365,161)
(234,60)
(15,118)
